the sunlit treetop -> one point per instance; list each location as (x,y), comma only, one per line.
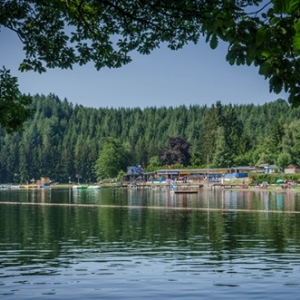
(61,33)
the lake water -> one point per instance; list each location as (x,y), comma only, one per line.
(149,244)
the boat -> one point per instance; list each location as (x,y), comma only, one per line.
(94,187)
(80,187)
(12,187)
(30,186)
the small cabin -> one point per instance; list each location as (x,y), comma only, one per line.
(292,169)
(266,168)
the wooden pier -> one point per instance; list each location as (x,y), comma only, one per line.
(185,191)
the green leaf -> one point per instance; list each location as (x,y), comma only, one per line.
(265,69)
(282,6)
(213,42)
(260,36)
(266,53)
(294,6)
(296,40)
(276,84)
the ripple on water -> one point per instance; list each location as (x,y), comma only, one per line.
(191,260)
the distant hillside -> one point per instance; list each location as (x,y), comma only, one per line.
(64,140)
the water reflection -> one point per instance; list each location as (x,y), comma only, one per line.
(126,244)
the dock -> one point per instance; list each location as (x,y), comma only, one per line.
(185,191)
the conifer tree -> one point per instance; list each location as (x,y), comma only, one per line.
(213,120)
(232,130)
(223,157)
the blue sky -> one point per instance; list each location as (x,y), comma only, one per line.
(193,75)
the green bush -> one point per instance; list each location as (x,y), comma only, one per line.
(272,178)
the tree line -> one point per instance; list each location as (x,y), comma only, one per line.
(73,142)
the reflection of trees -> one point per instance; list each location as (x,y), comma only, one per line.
(52,227)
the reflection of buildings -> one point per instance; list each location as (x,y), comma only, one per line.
(181,200)
(137,197)
(209,200)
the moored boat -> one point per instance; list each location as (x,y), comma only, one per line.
(80,187)
(94,187)
(30,186)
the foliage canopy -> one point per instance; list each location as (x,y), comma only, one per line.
(13,105)
(177,152)
(113,157)
(61,33)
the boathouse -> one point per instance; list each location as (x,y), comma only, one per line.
(133,174)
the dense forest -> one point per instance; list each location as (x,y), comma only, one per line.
(70,142)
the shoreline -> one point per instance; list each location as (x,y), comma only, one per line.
(182,186)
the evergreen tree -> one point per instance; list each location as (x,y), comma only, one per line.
(223,156)
(291,141)
(276,136)
(196,156)
(213,120)
(232,130)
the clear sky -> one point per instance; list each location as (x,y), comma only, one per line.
(193,75)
